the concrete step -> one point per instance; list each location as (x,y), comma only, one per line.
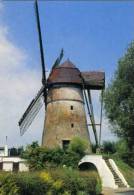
(115,175)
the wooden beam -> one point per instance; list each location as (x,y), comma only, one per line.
(94,80)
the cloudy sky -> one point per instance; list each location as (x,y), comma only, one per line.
(94,36)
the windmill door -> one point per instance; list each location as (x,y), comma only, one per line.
(65,144)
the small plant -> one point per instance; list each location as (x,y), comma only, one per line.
(9,187)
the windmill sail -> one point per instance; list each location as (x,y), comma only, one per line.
(58,60)
(31,112)
(44,80)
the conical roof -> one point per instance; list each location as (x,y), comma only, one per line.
(65,73)
(67,64)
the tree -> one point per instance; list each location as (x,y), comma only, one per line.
(119,99)
(109,147)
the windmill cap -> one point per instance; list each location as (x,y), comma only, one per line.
(66,73)
(67,64)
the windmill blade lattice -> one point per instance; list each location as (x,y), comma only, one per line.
(31,112)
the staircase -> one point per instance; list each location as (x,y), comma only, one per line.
(118,181)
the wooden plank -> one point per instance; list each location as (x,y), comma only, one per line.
(94,80)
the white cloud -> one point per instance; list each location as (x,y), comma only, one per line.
(18,85)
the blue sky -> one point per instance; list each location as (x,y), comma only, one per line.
(94,35)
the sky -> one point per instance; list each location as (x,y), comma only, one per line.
(94,35)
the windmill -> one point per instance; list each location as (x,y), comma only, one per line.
(64,93)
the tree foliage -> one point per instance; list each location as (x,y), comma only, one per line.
(109,147)
(119,98)
(41,157)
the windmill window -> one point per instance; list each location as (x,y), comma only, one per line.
(72,125)
(72,107)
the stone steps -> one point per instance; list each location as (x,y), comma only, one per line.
(118,181)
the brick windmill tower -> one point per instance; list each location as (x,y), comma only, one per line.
(65,94)
(65,115)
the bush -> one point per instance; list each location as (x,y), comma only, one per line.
(30,184)
(9,186)
(109,147)
(92,182)
(123,153)
(78,145)
(61,181)
(121,146)
(70,159)
(78,182)
(39,157)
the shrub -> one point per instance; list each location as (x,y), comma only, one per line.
(78,145)
(9,186)
(109,147)
(39,157)
(30,184)
(121,146)
(61,181)
(70,159)
(123,153)
(77,182)
(92,182)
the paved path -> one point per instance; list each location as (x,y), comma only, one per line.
(108,191)
(123,191)
(128,191)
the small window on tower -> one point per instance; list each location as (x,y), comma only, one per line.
(72,125)
(72,107)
